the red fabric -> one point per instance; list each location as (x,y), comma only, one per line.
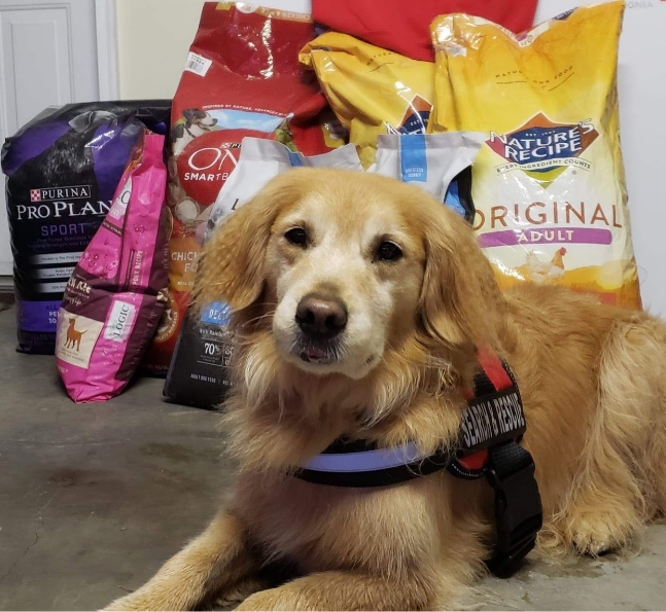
(475,461)
(494,369)
(405,26)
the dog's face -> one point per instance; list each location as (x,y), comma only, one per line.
(340,268)
(346,274)
(205,123)
(200,118)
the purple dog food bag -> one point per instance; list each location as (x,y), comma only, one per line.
(115,297)
(62,170)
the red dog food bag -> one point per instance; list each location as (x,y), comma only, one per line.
(242,78)
(115,297)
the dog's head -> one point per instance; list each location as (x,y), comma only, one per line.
(338,270)
(195,116)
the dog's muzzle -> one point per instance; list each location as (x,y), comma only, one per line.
(321,320)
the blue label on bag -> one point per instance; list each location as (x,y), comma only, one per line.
(295,159)
(216,313)
(413,164)
(452,199)
(36,316)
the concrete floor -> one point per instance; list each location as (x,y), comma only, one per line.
(93,498)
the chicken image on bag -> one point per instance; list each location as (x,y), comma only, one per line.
(115,297)
(548,184)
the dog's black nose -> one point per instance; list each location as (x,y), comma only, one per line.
(321,317)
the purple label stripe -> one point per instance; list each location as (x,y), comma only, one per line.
(38,316)
(553,235)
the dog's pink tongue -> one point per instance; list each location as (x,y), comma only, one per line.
(314,352)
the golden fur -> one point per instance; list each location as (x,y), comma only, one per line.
(593,381)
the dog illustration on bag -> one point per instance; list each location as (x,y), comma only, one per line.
(74,335)
(70,155)
(194,123)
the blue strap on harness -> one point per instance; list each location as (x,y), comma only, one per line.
(491,428)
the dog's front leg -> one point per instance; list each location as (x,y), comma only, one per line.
(216,560)
(345,590)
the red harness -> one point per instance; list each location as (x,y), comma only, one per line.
(493,380)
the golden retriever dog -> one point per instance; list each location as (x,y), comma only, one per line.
(359,305)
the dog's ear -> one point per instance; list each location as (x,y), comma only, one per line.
(461,304)
(232,263)
(82,121)
(89,119)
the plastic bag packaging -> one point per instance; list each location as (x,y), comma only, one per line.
(372,91)
(432,162)
(62,170)
(262,160)
(115,297)
(375,92)
(242,78)
(429,161)
(548,184)
(198,372)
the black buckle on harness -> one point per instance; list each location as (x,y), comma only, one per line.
(518,511)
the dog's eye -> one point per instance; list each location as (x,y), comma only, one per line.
(388,251)
(297,236)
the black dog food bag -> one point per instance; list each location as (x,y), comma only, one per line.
(62,169)
(198,374)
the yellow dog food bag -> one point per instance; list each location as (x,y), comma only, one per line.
(371,90)
(548,184)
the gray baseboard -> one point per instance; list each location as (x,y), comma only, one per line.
(6,290)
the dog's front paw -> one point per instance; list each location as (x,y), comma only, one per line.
(281,598)
(233,596)
(137,601)
(123,603)
(263,600)
(596,535)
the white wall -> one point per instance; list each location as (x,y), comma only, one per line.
(153,39)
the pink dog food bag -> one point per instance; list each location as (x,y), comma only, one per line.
(115,297)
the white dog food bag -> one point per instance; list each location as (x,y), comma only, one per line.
(432,162)
(429,161)
(260,161)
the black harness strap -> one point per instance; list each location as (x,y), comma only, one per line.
(491,428)
(518,511)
